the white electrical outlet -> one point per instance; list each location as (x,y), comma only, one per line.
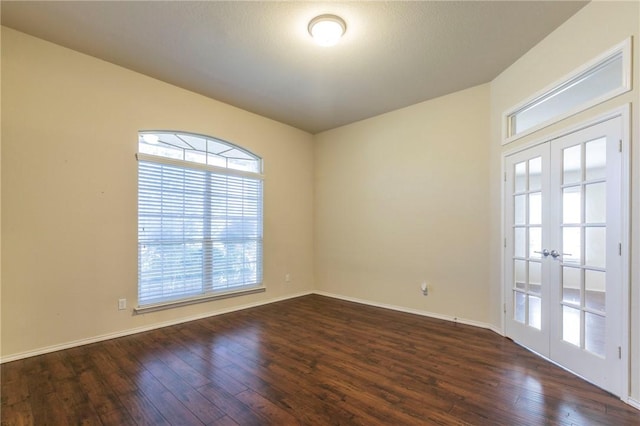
(425,288)
(122,304)
(287,278)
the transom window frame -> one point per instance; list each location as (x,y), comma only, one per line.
(622,49)
(232,164)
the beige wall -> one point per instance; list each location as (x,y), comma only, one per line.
(402,198)
(592,31)
(69,194)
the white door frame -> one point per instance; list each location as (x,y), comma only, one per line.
(624,112)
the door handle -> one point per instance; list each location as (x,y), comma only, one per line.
(555,254)
(544,252)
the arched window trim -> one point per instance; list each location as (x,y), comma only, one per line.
(200,149)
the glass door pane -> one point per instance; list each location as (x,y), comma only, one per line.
(583,254)
(526,288)
(527,232)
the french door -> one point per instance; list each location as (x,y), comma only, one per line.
(563,252)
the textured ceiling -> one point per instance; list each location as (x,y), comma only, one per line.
(258,55)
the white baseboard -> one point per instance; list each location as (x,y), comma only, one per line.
(634,403)
(103,337)
(100,338)
(412,311)
(495,329)
(81,342)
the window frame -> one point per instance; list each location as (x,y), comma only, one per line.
(207,291)
(623,49)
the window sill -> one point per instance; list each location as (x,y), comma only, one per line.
(199,299)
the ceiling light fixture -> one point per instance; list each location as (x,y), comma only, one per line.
(326,30)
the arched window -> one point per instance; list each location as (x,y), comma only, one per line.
(199,219)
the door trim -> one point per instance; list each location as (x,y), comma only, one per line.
(624,112)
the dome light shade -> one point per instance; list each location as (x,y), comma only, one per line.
(326,30)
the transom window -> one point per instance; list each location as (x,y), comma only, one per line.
(199,219)
(605,77)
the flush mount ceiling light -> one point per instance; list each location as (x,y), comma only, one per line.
(326,30)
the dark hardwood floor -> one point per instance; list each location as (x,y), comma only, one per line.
(311,360)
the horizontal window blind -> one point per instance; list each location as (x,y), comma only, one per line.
(199,232)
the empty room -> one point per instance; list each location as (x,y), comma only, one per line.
(320,213)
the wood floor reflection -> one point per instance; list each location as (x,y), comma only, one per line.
(311,360)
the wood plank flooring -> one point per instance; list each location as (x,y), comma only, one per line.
(306,361)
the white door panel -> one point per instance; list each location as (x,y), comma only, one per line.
(587,306)
(527,190)
(563,268)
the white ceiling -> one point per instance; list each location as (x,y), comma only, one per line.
(258,55)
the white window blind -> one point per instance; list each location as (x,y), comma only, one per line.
(199,230)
